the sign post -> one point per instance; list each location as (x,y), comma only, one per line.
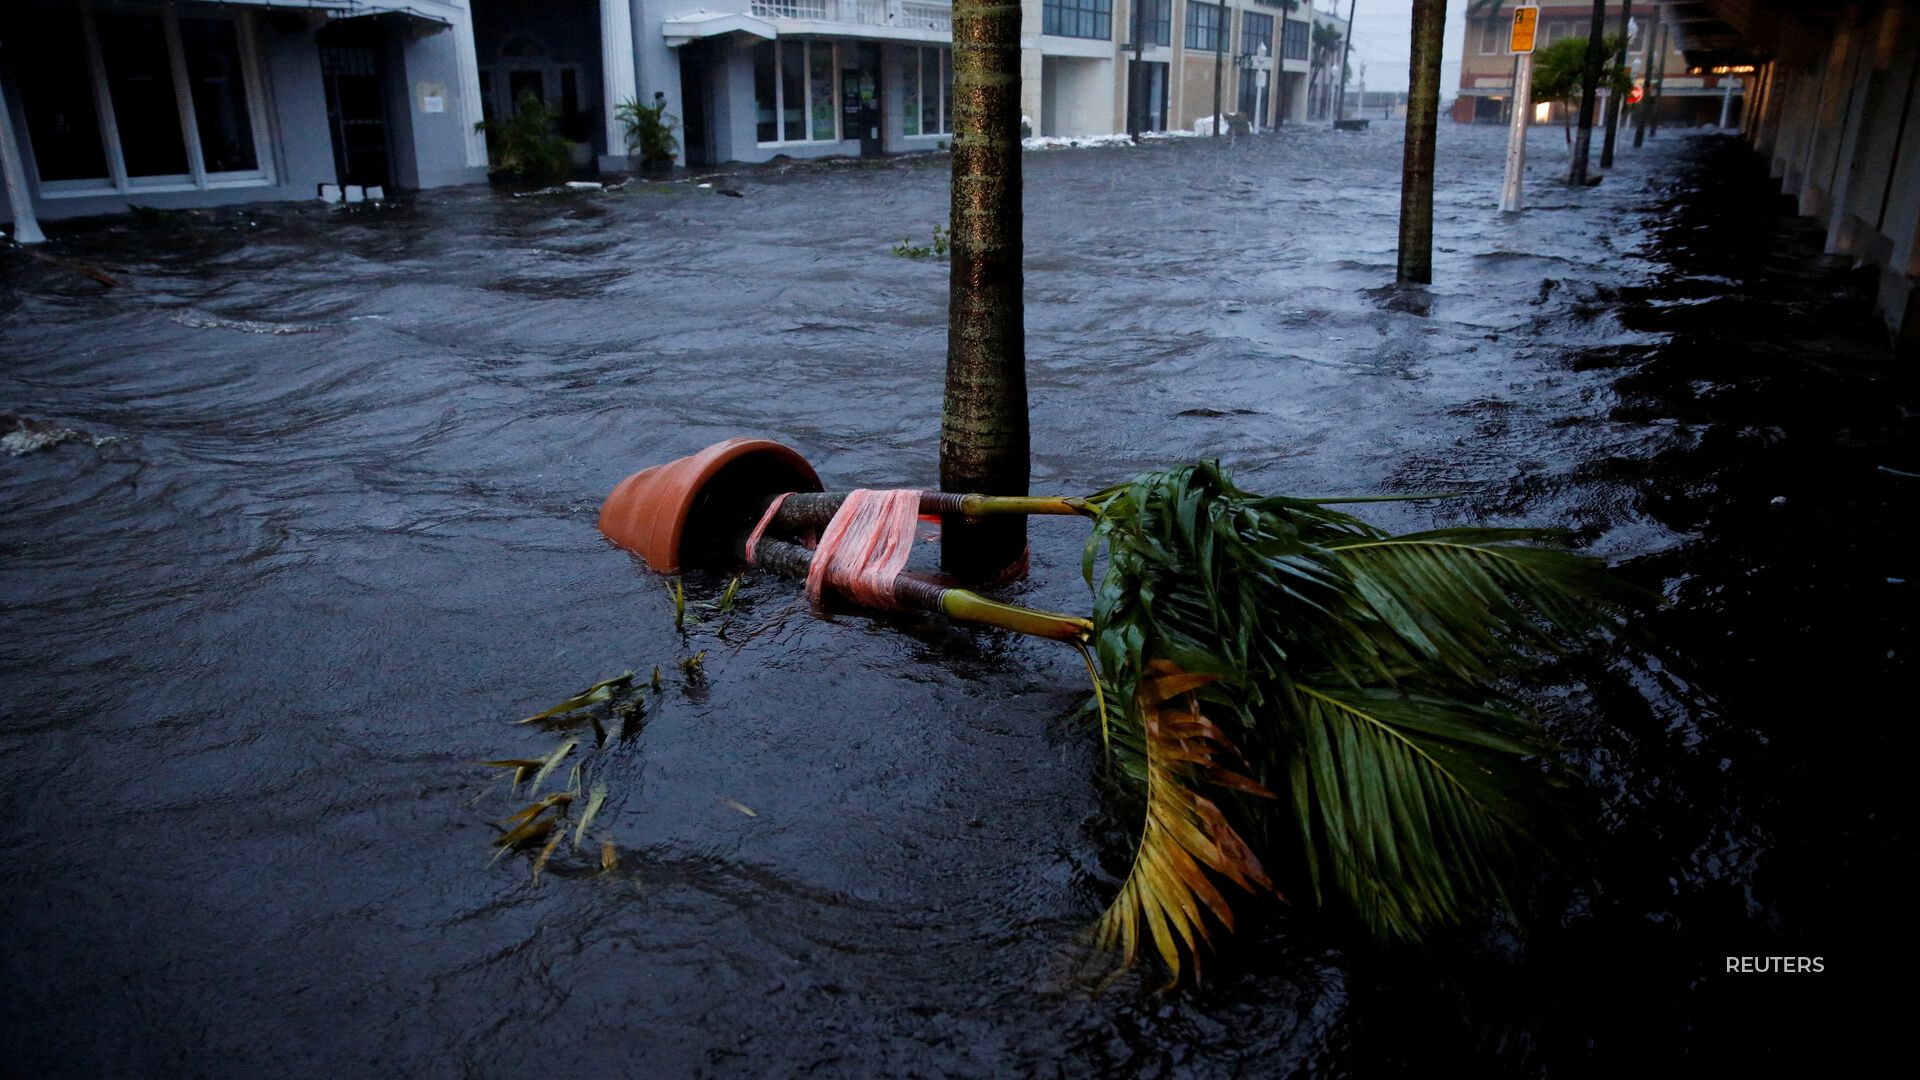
(1526,20)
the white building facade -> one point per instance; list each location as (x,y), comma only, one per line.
(110,103)
(106,104)
(1078,55)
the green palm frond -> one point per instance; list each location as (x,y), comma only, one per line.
(1416,807)
(1357,671)
(1186,839)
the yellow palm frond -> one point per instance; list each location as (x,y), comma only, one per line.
(1186,840)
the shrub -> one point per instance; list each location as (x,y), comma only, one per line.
(525,145)
(650,133)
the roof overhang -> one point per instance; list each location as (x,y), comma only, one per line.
(424,11)
(682,29)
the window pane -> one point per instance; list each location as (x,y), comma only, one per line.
(930,91)
(134,48)
(219,89)
(1159,29)
(793,91)
(1203,26)
(1078,18)
(824,114)
(56,93)
(1256,30)
(1293,40)
(765,106)
(910,91)
(946,90)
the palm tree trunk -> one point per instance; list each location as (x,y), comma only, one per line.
(984,439)
(1423,121)
(1589,87)
(1613,99)
(1641,110)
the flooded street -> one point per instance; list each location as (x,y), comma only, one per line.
(326,527)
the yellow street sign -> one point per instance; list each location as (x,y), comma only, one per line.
(1525,21)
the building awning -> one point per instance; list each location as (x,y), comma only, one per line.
(704,24)
(428,11)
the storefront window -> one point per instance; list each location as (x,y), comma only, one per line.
(793,82)
(140,76)
(793,91)
(219,91)
(910,93)
(111,98)
(766,99)
(56,93)
(826,117)
(929,77)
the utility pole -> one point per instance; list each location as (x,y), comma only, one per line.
(1613,99)
(1219,61)
(985,442)
(1659,85)
(1346,53)
(1526,24)
(1589,86)
(1646,84)
(1135,102)
(1423,123)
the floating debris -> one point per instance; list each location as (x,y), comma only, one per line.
(20,435)
(599,692)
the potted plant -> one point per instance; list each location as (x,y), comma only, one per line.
(650,135)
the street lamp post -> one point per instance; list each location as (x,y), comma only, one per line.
(1254,62)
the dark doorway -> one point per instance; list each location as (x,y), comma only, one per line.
(1149,113)
(696,104)
(1253,96)
(519,82)
(860,98)
(350,65)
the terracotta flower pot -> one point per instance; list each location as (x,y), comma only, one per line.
(700,504)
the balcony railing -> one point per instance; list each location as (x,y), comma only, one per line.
(899,14)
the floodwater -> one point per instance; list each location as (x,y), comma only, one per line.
(325,528)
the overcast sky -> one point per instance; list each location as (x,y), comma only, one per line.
(1382,33)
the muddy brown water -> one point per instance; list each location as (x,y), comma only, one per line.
(328,527)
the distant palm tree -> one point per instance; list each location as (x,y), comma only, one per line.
(1326,50)
(1560,69)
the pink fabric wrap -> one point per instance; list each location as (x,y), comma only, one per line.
(865,547)
(766,519)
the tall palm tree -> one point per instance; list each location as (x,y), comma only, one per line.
(984,438)
(1598,51)
(1423,118)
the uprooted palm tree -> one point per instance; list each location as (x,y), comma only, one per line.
(1308,704)
(1305,704)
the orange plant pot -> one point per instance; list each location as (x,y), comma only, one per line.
(698,506)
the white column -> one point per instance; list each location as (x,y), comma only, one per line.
(467,70)
(618,81)
(26,228)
